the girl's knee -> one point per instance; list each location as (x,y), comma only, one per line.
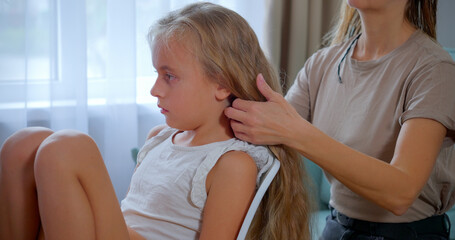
(61,150)
(18,151)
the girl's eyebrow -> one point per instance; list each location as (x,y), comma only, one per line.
(166,67)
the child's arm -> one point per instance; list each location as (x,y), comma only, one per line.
(231,186)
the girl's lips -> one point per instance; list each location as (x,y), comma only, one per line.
(163,110)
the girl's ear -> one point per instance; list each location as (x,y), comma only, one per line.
(222,93)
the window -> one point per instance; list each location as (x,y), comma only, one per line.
(58,52)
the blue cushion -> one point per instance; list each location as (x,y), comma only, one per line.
(451,214)
(319,223)
(451,52)
(321,184)
(325,191)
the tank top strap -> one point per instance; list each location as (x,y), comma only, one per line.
(153,141)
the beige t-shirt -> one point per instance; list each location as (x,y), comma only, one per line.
(366,110)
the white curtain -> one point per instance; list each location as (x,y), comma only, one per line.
(86,65)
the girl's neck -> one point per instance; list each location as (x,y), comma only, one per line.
(381,34)
(205,134)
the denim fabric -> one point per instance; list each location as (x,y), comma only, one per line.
(336,231)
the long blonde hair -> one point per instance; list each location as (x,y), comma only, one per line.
(420,13)
(229,52)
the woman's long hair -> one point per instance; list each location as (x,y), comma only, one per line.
(229,52)
(420,13)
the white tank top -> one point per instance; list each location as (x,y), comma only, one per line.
(167,192)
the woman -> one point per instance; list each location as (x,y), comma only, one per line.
(375,110)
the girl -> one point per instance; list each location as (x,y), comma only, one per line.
(193,179)
(381,106)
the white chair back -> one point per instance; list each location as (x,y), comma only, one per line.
(263,186)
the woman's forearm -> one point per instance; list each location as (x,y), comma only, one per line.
(392,186)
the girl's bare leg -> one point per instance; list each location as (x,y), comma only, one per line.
(19,216)
(75,195)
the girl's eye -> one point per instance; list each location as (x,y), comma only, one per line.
(169,77)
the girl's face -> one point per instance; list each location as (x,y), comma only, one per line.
(186,96)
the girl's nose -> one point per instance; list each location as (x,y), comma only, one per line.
(157,90)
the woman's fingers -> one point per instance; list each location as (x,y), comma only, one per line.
(264,88)
(242,105)
(236,112)
(239,130)
(261,122)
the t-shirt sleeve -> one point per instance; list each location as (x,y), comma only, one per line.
(432,95)
(298,95)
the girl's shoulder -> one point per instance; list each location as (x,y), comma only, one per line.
(156,136)
(156,130)
(234,165)
(260,154)
(235,154)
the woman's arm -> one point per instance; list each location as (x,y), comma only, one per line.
(230,188)
(392,186)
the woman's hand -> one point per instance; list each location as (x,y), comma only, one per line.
(265,123)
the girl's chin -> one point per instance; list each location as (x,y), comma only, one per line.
(175,125)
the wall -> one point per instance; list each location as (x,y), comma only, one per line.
(445,23)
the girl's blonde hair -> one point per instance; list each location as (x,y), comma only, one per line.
(420,13)
(229,52)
